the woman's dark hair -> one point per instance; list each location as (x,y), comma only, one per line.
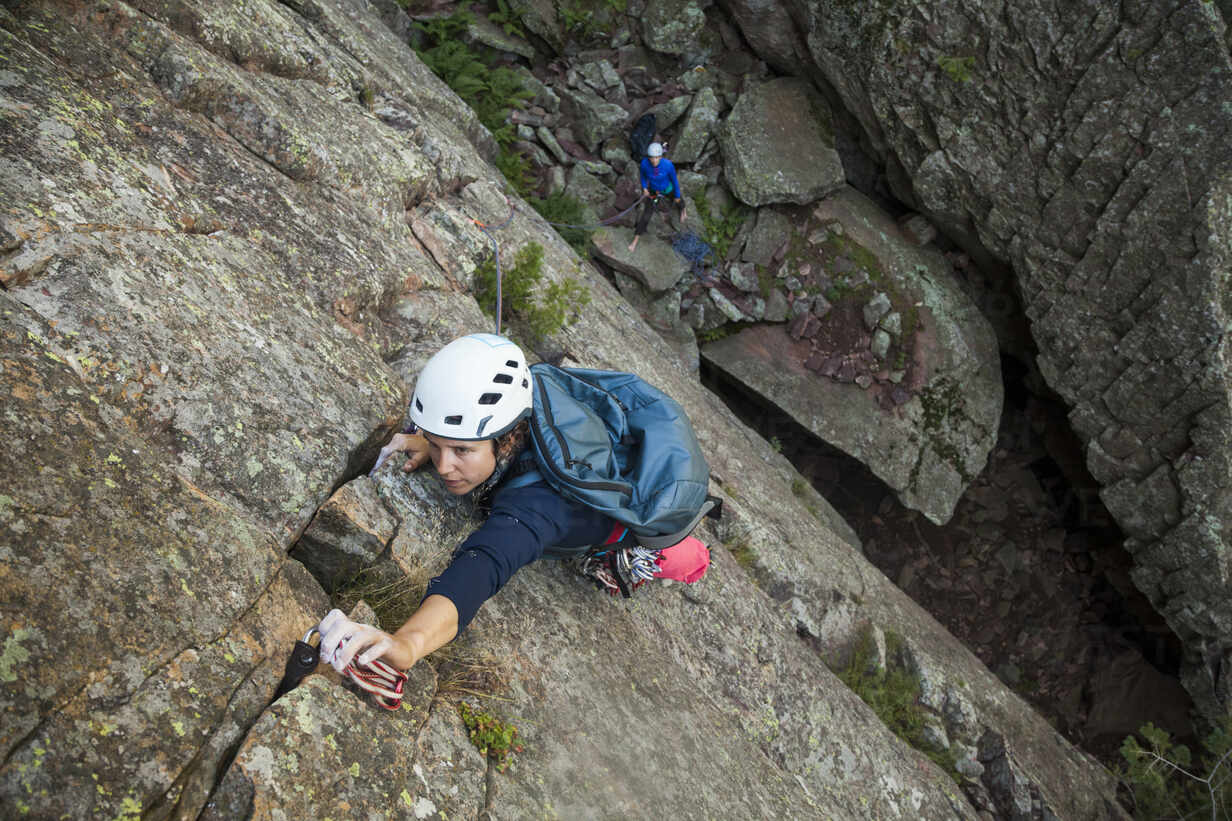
(507,445)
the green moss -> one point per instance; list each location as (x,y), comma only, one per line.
(496,739)
(958,69)
(798,487)
(743,553)
(719,230)
(893,694)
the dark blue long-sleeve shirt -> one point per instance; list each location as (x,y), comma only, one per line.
(525,522)
(661,178)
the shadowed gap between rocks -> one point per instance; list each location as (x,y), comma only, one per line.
(1030,572)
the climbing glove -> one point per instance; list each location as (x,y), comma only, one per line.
(342,639)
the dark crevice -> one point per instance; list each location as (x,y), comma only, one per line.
(1031,572)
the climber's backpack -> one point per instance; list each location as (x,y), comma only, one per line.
(615,443)
(642,136)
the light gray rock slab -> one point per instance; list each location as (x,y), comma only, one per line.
(594,118)
(653,262)
(673,26)
(769,233)
(698,127)
(668,113)
(778,145)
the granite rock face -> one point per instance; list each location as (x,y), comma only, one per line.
(222,268)
(1086,144)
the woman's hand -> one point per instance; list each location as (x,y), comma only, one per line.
(413,444)
(343,640)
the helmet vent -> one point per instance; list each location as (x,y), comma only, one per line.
(456,419)
(490,398)
(511,363)
(525,384)
(418,405)
(503,378)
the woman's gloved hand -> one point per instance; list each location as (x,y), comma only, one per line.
(343,640)
(413,444)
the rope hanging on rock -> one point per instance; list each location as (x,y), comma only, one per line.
(496,253)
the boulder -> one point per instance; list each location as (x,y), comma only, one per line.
(594,118)
(485,32)
(653,262)
(662,312)
(698,127)
(931,447)
(769,30)
(1119,245)
(673,26)
(667,113)
(770,232)
(778,145)
(589,190)
(540,18)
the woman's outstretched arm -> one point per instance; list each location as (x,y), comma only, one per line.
(433,625)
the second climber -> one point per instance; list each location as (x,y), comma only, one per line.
(658,179)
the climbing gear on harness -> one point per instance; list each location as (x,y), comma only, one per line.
(613,442)
(476,387)
(303,660)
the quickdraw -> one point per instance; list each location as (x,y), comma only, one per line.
(379,679)
(375,677)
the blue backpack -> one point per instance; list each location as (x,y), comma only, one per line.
(615,443)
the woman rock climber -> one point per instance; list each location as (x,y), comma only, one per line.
(468,416)
(658,178)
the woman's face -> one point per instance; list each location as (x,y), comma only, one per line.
(462,465)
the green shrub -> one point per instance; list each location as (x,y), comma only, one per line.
(894,695)
(538,318)
(720,230)
(560,207)
(490,91)
(1165,783)
(493,738)
(516,168)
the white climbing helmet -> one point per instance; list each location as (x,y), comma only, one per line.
(654,150)
(476,387)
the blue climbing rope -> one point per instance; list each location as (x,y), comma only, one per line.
(695,249)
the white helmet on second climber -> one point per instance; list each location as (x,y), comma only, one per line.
(654,150)
(476,387)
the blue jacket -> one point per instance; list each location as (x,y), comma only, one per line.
(660,179)
(524,523)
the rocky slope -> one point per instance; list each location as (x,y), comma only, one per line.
(231,236)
